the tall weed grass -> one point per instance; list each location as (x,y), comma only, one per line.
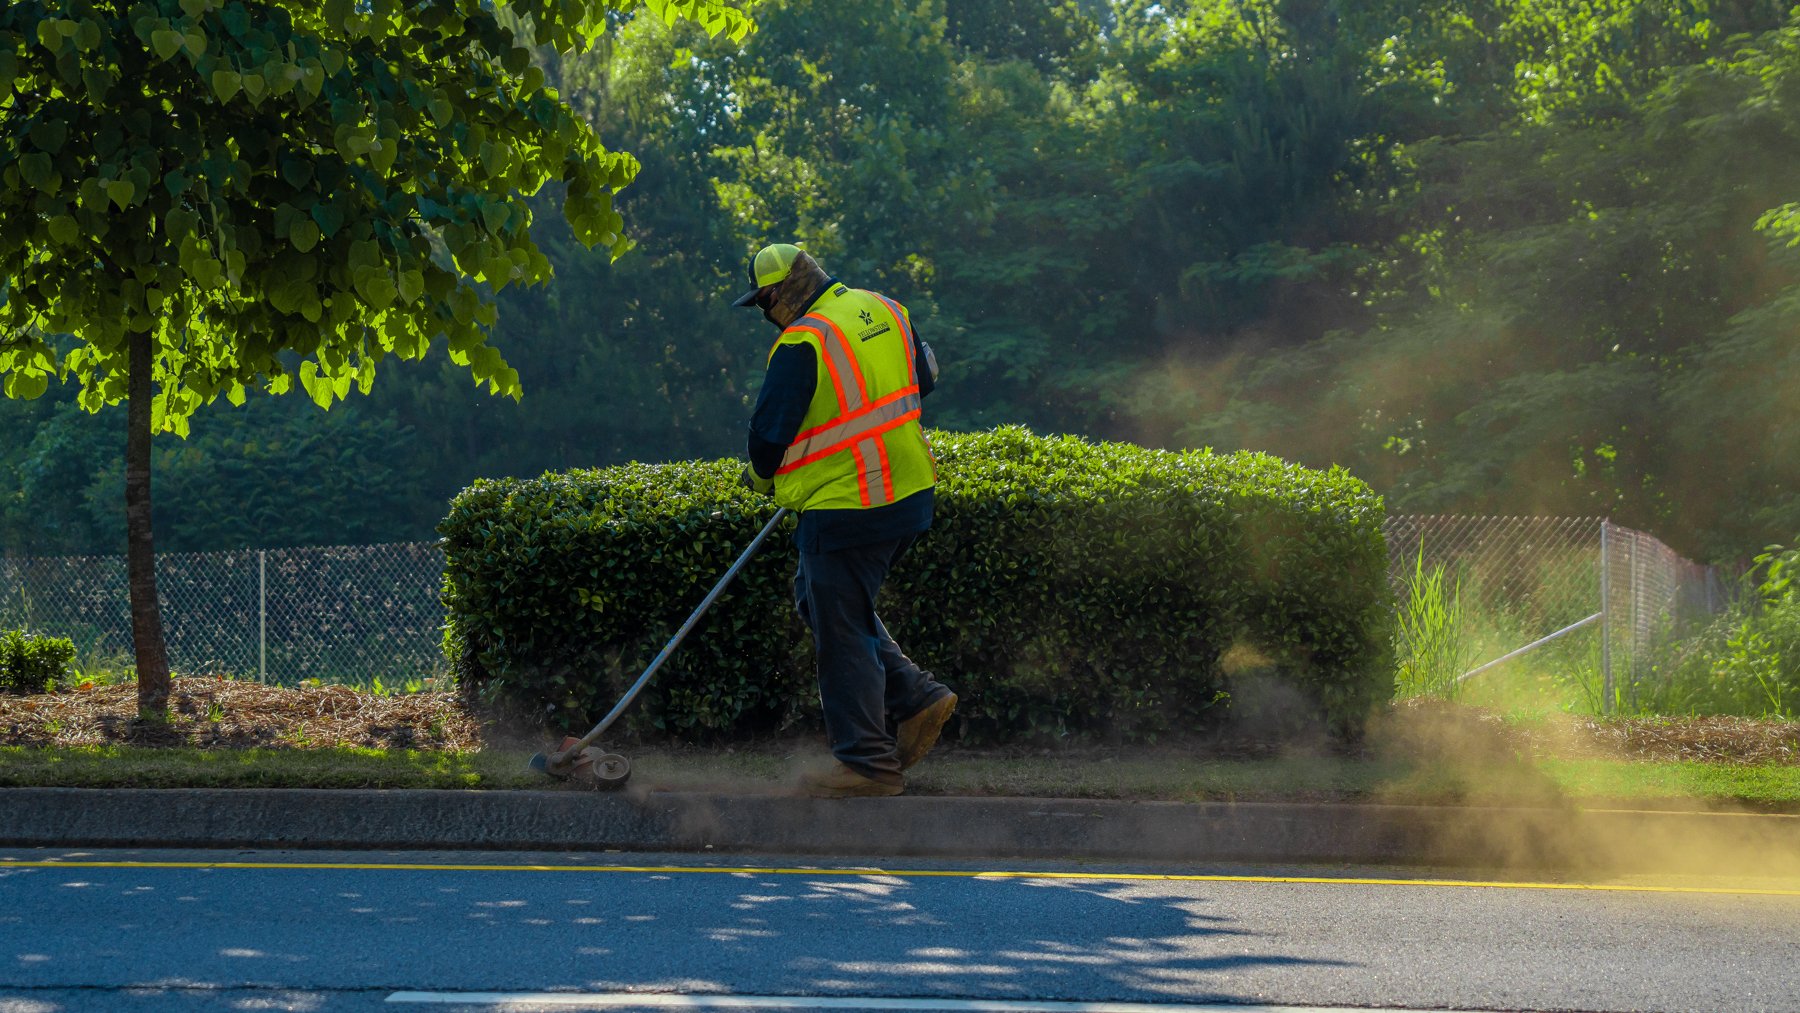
(1431,644)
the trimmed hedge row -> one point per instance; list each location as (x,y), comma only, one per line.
(1066,588)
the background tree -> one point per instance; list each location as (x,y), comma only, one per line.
(1495,255)
(198,193)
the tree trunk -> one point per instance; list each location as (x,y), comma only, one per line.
(140,552)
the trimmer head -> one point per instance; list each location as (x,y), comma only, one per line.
(592,766)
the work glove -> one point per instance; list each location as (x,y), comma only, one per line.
(756,483)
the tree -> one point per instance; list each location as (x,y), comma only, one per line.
(199,196)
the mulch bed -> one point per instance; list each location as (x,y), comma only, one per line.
(227,713)
(1434,727)
(1717,739)
(211,712)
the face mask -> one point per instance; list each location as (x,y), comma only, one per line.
(769,307)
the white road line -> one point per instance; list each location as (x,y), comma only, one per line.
(643,1000)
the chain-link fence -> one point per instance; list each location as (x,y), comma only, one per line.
(1527,583)
(360,613)
(352,613)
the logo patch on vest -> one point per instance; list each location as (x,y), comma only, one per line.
(871,332)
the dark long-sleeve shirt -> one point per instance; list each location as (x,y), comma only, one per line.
(787,393)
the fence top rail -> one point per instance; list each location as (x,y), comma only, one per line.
(9,556)
(1491,518)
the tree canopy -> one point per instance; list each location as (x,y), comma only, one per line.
(196,193)
(1520,256)
(246,178)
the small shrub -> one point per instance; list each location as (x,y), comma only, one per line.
(32,664)
(1065,588)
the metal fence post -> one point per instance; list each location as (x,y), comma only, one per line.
(262,615)
(1640,634)
(1606,674)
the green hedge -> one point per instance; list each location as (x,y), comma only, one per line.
(30,664)
(1066,588)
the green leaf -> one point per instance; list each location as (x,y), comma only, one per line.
(49,135)
(180,223)
(36,170)
(64,229)
(494,214)
(304,235)
(317,387)
(328,218)
(121,192)
(376,288)
(226,84)
(27,386)
(206,271)
(411,285)
(166,43)
(382,155)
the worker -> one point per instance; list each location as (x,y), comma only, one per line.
(836,437)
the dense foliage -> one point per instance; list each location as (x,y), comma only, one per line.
(1747,660)
(1511,256)
(32,664)
(1066,587)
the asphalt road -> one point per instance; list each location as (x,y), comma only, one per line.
(324,932)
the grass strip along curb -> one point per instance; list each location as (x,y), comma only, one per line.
(1767,786)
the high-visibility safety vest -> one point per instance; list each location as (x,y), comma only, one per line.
(860,444)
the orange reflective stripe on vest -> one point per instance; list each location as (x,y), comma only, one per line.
(840,362)
(906,332)
(897,408)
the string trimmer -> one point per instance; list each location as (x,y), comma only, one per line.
(580,759)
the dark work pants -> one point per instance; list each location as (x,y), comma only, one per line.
(866,685)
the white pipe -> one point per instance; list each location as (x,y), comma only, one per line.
(1535,643)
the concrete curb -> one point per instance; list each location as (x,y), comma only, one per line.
(1621,841)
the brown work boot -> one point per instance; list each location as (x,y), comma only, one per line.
(839,781)
(919,733)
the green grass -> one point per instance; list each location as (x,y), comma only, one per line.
(141,767)
(953,772)
(1765,785)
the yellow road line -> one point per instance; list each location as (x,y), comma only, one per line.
(1154,877)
